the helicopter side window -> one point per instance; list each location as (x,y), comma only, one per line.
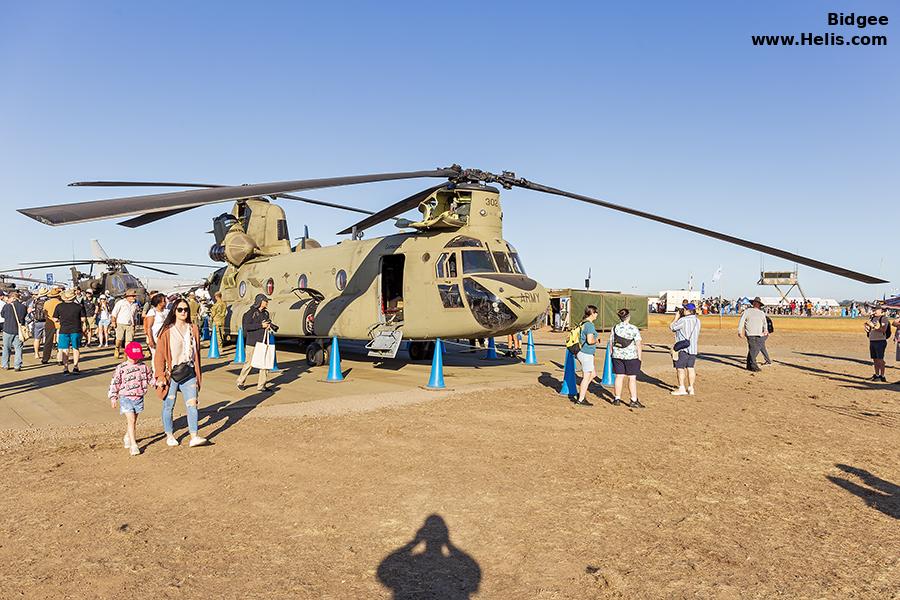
(504,265)
(281,226)
(477,261)
(517,263)
(446,265)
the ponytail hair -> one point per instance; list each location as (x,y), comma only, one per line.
(623,313)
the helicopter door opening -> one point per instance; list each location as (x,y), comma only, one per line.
(392,288)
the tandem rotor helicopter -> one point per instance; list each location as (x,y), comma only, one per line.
(451,274)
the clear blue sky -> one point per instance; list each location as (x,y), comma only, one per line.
(665,106)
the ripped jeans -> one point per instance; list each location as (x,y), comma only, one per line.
(189,393)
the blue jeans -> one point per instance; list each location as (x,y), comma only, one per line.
(188,392)
(11,340)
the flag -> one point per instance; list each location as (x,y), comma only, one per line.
(703,288)
(717,275)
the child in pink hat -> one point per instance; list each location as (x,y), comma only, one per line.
(127,388)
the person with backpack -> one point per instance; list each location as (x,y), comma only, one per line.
(583,339)
(625,347)
(38,316)
(878,330)
(686,327)
(753,327)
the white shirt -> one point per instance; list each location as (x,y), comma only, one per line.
(628,331)
(123,312)
(158,317)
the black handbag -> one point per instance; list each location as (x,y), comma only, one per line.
(681,345)
(182,372)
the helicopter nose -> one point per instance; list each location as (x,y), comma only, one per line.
(504,303)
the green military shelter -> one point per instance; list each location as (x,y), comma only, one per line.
(570,304)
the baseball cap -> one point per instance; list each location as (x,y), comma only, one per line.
(690,306)
(260,298)
(134,351)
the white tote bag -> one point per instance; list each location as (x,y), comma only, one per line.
(263,356)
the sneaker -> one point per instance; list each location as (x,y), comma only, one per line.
(636,404)
(679,392)
(125,442)
(198,441)
(66,371)
(17,369)
(265,390)
(616,401)
(240,386)
(75,370)
(583,403)
(881,378)
(874,378)
(135,450)
(691,391)
(171,441)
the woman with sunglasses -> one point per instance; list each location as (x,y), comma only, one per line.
(177,365)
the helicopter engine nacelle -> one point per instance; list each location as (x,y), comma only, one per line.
(238,248)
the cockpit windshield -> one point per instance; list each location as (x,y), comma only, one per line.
(504,265)
(477,261)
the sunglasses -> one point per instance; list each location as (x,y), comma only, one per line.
(182,309)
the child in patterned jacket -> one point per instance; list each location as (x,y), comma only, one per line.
(127,388)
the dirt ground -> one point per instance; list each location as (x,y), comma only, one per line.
(781,484)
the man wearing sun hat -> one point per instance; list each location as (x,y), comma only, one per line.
(123,319)
(50,324)
(72,319)
(753,326)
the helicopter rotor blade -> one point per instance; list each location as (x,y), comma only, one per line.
(156,262)
(81,212)
(148,218)
(134,264)
(397,208)
(803,260)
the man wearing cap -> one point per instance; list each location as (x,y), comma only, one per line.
(753,326)
(687,334)
(122,317)
(38,316)
(256,324)
(70,316)
(13,314)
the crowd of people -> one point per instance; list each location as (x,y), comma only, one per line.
(754,326)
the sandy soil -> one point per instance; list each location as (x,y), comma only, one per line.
(782,484)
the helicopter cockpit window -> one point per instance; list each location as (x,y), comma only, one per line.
(446,265)
(462,241)
(450,296)
(504,265)
(477,261)
(517,263)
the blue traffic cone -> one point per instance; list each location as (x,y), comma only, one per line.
(569,385)
(436,381)
(530,358)
(240,353)
(274,354)
(609,378)
(204,331)
(491,350)
(214,345)
(334,362)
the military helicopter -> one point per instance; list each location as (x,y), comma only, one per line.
(451,274)
(6,286)
(115,279)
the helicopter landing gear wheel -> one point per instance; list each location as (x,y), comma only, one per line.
(421,350)
(315,354)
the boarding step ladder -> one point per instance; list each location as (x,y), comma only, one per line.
(386,340)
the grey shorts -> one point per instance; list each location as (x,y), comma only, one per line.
(587,362)
(685,360)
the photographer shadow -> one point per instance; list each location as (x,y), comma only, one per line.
(440,570)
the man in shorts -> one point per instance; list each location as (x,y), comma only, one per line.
(876,331)
(71,318)
(90,309)
(687,333)
(123,315)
